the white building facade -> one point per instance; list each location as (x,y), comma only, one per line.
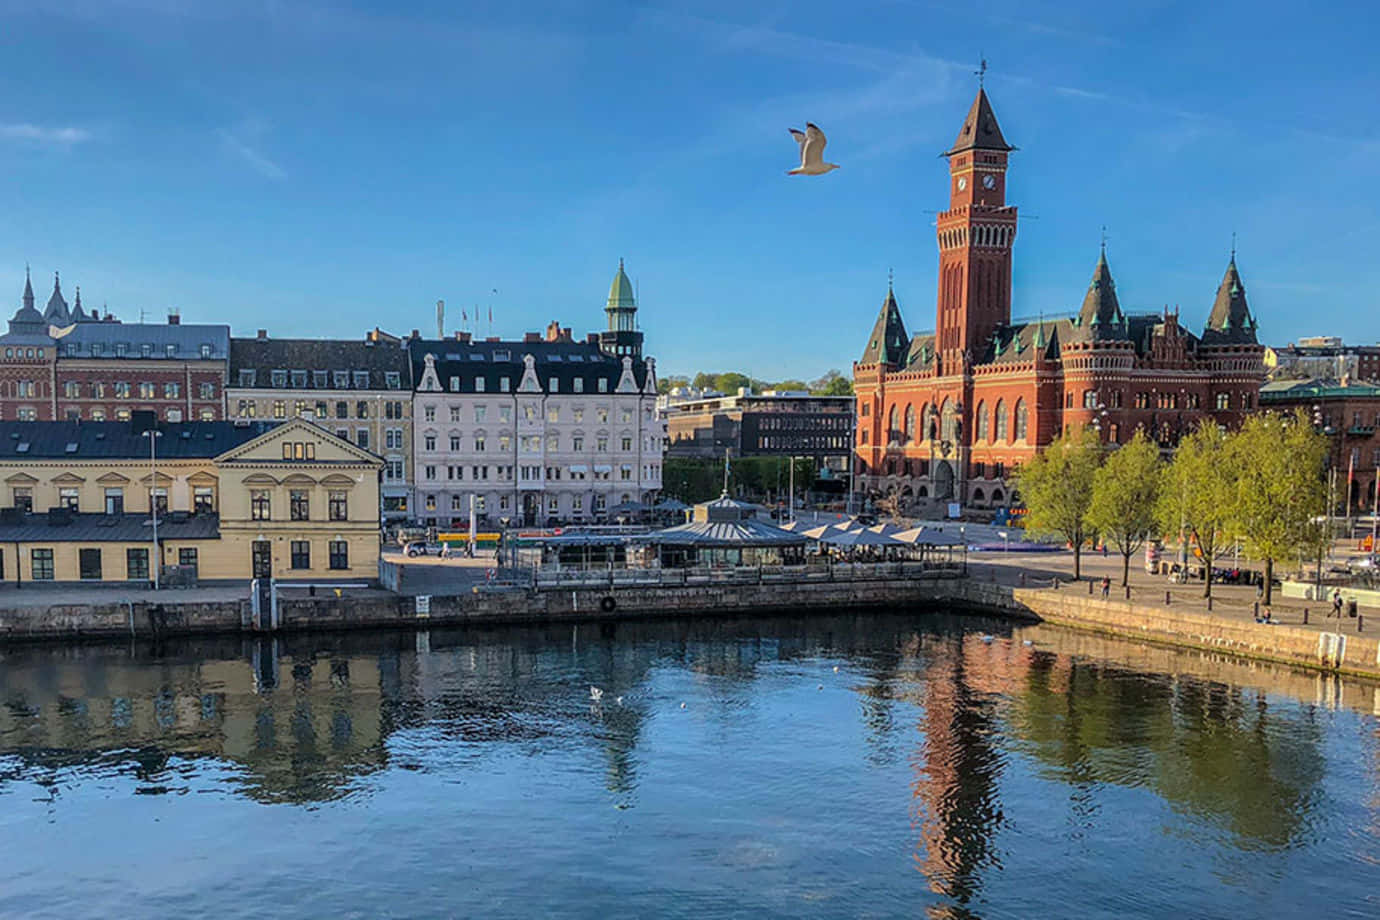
(542,432)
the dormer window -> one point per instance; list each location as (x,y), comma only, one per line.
(247,377)
(205,351)
(503,356)
(340,380)
(361,380)
(280,378)
(170,350)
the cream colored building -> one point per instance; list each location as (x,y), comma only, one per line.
(236,500)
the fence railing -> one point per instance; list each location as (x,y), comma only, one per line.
(551,578)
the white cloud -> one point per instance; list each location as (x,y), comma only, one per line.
(40,134)
(236,143)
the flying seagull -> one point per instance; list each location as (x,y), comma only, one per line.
(811,141)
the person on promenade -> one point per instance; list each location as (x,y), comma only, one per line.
(1106,587)
(1337,604)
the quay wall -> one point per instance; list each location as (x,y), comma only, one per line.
(146,619)
(1344,653)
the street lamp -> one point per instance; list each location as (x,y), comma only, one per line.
(153,435)
(1005,545)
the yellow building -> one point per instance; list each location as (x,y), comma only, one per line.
(236,500)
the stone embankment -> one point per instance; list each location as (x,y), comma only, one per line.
(151,619)
(1295,645)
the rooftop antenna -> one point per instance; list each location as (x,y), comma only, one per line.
(440,319)
(981,72)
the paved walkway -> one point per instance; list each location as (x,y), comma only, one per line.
(1236,601)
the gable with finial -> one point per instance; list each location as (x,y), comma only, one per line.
(529,383)
(429,383)
(627,383)
(649,385)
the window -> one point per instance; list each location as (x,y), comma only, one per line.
(393,471)
(41,564)
(279,409)
(479,384)
(579,384)
(146,349)
(981,421)
(1022,421)
(361,380)
(553,385)
(68,497)
(322,410)
(503,384)
(577,443)
(115,501)
(601,444)
(455,413)
(392,380)
(999,429)
(362,437)
(430,472)
(553,442)
(553,414)
(626,416)
(299,507)
(146,391)
(206,391)
(71,389)
(338,506)
(24,497)
(340,554)
(1245,400)
(603,385)
(505,414)
(204,414)
(203,500)
(187,556)
(431,503)
(455,442)
(479,443)
(89,563)
(278,378)
(429,413)
(137,563)
(259,505)
(301,554)
(1223,401)
(1089,399)
(299,380)
(320,379)
(172,391)
(362,408)
(626,443)
(429,441)
(299,408)
(340,380)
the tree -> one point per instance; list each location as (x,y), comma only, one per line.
(1279,486)
(1197,493)
(1125,495)
(666,384)
(731,381)
(1057,486)
(832,383)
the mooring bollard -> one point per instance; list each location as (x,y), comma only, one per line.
(1257,610)
(1359,618)
(1090,587)
(1305,616)
(1209,605)
(1166,597)
(1128,592)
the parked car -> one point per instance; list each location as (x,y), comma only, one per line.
(422,548)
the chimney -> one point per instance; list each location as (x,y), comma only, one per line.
(174,318)
(531,337)
(565,335)
(416,334)
(262,335)
(494,338)
(592,339)
(463,337)
(553,331)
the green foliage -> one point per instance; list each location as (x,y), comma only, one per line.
(696,480)
(1057,486)
(1198,492)
(1125,495)
(665,385)
(1279,486)
(832,383)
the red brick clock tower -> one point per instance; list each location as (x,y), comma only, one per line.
(975,236)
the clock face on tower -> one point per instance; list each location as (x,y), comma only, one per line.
(989,182)
(962,183)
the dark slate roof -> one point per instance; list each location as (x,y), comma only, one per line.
(56,312)
(920,354)
(122,440)
(108,528)
(1317,388)
(27,326)
(1230,322)
(259,358)
(888,341)
(980,129)
(494,360)
(104,340)
(1101,312)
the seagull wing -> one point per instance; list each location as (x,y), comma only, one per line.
(812,148)
(800,138)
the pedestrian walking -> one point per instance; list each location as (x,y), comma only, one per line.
(1337,604)
(1106,587)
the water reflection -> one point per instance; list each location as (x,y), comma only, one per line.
(892,733)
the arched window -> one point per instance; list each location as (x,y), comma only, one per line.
(892,431)
(981,430)
(1022,420)
(999,427)
(996,495)
(978,496)
(910,424)
(924,432)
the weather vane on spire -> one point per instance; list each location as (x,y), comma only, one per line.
(981,72)
(890,276)
(1233,245)
(1104,239)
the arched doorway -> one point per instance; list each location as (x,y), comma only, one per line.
(943,480)
(531,507)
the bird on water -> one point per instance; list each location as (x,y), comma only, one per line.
(811,141)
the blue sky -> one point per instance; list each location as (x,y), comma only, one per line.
(319,168)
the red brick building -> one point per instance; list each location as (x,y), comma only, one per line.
(945,416)
(1348,413)
(70,364)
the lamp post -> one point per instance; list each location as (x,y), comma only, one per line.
(1005,544)
(153,435)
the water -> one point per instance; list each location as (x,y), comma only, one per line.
(468,773)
